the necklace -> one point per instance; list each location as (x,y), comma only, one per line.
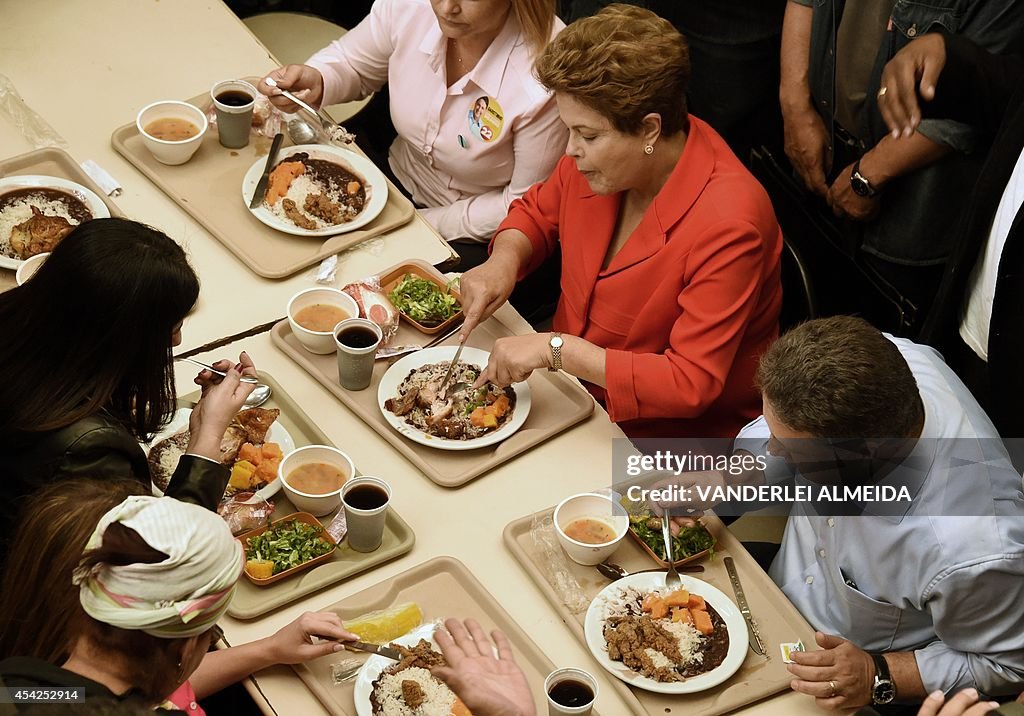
(455,48)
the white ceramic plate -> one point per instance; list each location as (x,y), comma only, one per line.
(277,434)
(390,381)
(356,163)
(373,667)
(86,196)
(593,628)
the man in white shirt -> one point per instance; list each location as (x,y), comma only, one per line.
(979,312)
(908,597)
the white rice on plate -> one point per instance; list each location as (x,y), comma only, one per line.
(388,692)
(20,211)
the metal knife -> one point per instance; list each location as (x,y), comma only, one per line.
(451,367)
(753,636)
(261,187)
(385,651)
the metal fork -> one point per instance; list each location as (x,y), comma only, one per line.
(672,578)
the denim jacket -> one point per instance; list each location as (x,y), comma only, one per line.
(918,209)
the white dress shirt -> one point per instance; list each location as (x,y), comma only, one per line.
(947,588)
(981,287)
(464,175)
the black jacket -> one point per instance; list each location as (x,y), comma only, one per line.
(29,674)
(987,91)
(97,447)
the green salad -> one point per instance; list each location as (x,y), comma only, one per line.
(424,301)
(288,545)
(689,541)
(647,526)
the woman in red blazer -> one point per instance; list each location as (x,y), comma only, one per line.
(670,248)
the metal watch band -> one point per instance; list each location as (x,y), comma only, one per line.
(555,342)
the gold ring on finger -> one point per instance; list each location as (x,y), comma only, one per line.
(881,92)
(832,685)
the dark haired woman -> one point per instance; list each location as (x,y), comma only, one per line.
(86,353)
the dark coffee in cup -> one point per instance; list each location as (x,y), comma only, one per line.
(571,693)
(366,497)
(357,337)
(234,98)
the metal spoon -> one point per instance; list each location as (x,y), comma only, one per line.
(222,374)
(260,394)
(332,128)
(614,571)
(672,578)
(300,131)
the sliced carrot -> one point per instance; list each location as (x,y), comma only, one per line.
(500,406)
(702,622)
(476,418)
(266,471)
(460,709)
(659,610)
(272,450)
(250,453)
(697,602)
(281,178)
(648,603)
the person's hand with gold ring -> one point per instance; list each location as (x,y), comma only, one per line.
(839,675)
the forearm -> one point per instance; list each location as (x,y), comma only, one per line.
(513,249)
(892,158)
(584,360)
(906,676)
(795,58)
(222,667)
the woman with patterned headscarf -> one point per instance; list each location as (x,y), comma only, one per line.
(155,577)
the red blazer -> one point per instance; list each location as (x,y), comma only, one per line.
(689,303)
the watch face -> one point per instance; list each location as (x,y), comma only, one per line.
(883,691)
(859,185)
(556,341)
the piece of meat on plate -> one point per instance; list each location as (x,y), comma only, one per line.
(256,423)
(39,234)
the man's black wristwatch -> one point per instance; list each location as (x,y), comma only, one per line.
(859,183)
(883,691)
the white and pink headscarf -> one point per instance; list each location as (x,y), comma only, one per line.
(182,596)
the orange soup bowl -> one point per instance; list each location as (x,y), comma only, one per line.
(307,475)
(176,151)
(594,507)
(319,341)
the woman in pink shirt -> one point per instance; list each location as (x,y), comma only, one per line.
(475,128)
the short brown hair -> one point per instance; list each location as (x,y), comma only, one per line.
(840,377)
(625,62)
